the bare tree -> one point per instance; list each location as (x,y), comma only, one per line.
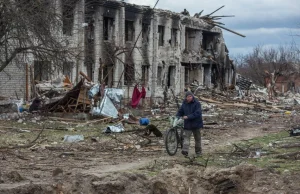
(280,60)
(31,27)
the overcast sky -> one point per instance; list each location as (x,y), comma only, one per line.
(264,22)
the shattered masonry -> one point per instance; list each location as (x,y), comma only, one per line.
(171,50)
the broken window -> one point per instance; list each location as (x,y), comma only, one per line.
(161,33)
(171,76)
(159,78)
(42,70)
(208,40)
(129,30)
(173,37)
(68,18)
(145,33)
(145,74)
(67,69)
(129,74)
(108,28)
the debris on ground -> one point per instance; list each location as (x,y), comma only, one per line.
(90,135)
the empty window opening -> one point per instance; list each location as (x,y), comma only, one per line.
(42,70)
(145,74)
(161,33)
(171,76)
(173,37)
(108,28)
(159,74)
(90,30)
(129,74)
(145,33)
(209,40)
(129,30)
(67,18)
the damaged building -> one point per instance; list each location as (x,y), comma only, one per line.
(126,45)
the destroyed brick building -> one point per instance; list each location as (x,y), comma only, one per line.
(126,45)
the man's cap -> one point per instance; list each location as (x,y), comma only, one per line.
(189,93)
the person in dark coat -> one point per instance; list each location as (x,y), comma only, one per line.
(191,112)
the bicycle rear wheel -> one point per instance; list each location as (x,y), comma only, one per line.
(171,142)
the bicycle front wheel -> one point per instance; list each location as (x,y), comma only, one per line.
(171,142)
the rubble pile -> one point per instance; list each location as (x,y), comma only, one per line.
(107,103)
(75,100)
(52,90)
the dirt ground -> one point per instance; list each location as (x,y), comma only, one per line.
(131,163)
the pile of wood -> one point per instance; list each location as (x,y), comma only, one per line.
(76,100)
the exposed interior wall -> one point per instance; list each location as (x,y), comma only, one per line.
(193,40)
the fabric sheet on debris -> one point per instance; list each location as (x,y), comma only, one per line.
(114,128)
(114,94)
(137,95)
(107,107)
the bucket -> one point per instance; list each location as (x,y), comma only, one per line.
(144,121)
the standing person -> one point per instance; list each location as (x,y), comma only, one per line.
(191,112)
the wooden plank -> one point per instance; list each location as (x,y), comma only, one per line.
(85,76)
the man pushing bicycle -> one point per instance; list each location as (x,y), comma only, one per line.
(191,112)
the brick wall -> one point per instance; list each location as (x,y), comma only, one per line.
(13,81)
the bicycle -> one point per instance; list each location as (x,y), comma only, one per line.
(174,136)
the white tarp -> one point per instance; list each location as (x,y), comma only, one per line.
(115,94)
(112,96)
(106,108)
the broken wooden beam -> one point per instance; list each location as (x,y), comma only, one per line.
(85,76)
(228,30)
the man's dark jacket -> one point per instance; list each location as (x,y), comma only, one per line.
(194,113)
